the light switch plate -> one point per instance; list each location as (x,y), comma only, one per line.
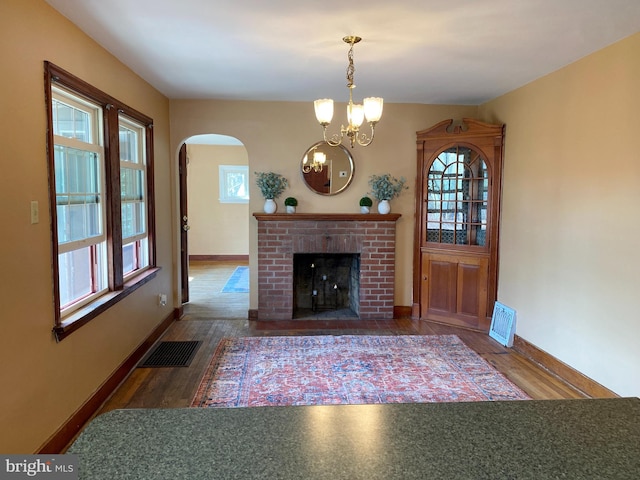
(35,213)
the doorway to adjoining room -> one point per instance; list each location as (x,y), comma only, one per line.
(214,217)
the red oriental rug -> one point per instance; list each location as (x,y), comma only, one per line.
(349,369)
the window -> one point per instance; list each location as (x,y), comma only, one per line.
(234,183)
(101,187)
(133,194)
(79,198)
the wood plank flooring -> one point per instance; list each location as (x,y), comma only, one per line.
(211,315)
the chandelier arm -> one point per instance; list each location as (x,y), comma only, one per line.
(364,140)
(334,140)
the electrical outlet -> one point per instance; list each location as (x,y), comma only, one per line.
(162,300)
(35,212)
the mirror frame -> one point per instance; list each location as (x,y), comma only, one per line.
(339,148)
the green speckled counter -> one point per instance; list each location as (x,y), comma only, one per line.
(551,439)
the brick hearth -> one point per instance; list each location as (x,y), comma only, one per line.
(280,236)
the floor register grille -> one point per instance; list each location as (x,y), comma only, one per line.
(171,354)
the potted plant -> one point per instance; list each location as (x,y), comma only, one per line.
(291,203)
(365,204)
(384,188)
(271,185)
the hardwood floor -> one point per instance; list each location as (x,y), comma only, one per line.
(210,315)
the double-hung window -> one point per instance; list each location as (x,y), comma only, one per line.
(79,199)
(101,191)
(133,173)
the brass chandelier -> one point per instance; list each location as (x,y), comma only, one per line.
(371,109)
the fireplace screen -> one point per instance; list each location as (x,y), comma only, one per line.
(326,285)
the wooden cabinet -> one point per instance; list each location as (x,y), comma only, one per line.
(459,182)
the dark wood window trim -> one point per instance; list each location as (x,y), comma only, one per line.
(101,305)
(119,288)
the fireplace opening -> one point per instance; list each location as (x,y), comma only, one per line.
(326,285)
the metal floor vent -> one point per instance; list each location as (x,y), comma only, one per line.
(170,354)
(503,324)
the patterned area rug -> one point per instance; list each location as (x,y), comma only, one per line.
(238,281)
(349,369)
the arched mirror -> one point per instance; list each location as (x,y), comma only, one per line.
(325,169)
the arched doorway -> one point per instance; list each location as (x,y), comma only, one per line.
(214,213)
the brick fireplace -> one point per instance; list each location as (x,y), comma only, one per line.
(281,236)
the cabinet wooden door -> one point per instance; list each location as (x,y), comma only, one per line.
(456,246)
(454,289)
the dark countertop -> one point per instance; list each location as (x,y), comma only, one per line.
(541,439)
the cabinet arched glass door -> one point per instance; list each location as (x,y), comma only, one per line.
(457,198)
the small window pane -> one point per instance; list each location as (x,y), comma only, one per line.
(132,184)
(71,122)
(128,258)
(78,199)
(135,256)
(77,171)
(80,274)
(75,275)
(78,219)
(433,235)
(133,219)
(234,183)
(129,148)
(133,205)
(481,235)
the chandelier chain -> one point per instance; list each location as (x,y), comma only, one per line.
(351,68)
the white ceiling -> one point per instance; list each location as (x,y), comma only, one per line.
(413,51)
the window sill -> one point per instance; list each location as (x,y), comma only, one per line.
(76,320)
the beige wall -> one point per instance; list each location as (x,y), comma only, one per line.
(44,383)
(277,134)
(215,228)
(569,243)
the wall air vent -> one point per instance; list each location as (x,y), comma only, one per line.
(503,324)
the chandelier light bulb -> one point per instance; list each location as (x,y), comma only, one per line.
(324,110)
(373,109)
(355,115)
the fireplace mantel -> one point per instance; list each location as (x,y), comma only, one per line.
(372,217)
(372,236)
